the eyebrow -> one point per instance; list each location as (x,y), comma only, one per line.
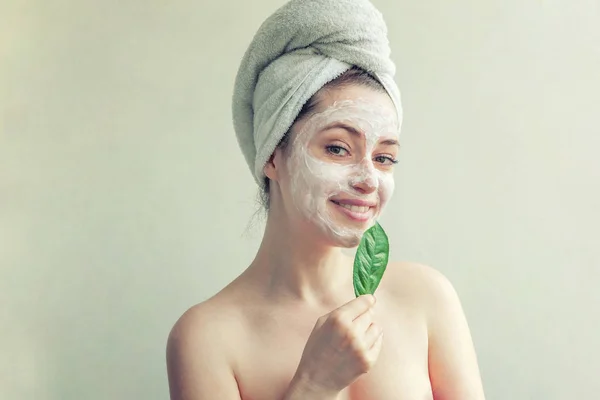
(356,132)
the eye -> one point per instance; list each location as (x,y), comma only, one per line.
(386,160)
(337,150)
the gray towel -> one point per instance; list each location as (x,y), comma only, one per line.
(296,51)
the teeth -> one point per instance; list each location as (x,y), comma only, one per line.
(357,209)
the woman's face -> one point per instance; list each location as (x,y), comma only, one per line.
(339,162)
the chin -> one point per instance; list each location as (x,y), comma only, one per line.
(348,238)
(349,242)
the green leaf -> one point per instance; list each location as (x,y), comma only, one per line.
(370,261)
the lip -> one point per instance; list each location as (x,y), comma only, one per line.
(356,216)
(355,202)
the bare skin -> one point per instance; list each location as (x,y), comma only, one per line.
(290,328)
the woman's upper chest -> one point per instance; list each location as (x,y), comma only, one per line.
(274,347)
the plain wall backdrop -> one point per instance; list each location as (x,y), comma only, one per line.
(124,198)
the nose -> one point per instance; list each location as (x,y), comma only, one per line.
(365,180)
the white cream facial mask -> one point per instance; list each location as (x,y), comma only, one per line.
(315,182)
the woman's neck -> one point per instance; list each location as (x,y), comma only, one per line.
(293,265)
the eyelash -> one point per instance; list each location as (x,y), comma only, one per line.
(331,146)
(386,158)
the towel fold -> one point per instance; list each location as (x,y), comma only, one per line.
(301,47)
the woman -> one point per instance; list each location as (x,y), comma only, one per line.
(321,136)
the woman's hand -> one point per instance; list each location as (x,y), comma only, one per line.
(343,345)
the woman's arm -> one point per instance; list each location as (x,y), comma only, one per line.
(197,364)
(453,367)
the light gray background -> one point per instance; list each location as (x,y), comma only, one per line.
(124,198)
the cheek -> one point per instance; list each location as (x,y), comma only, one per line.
(386,188)
(324,177)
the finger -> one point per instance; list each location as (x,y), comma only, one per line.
(372,335)
(377,342)
(362,322)
(356,307)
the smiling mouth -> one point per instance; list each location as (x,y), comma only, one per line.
(355,212)
(358,209)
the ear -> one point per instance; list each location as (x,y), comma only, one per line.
(273,165)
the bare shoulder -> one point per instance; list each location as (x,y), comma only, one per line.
(200,350)
(200,325)
(200,321)
(422,286)
(417,279)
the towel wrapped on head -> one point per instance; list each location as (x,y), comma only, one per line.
(301,47)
